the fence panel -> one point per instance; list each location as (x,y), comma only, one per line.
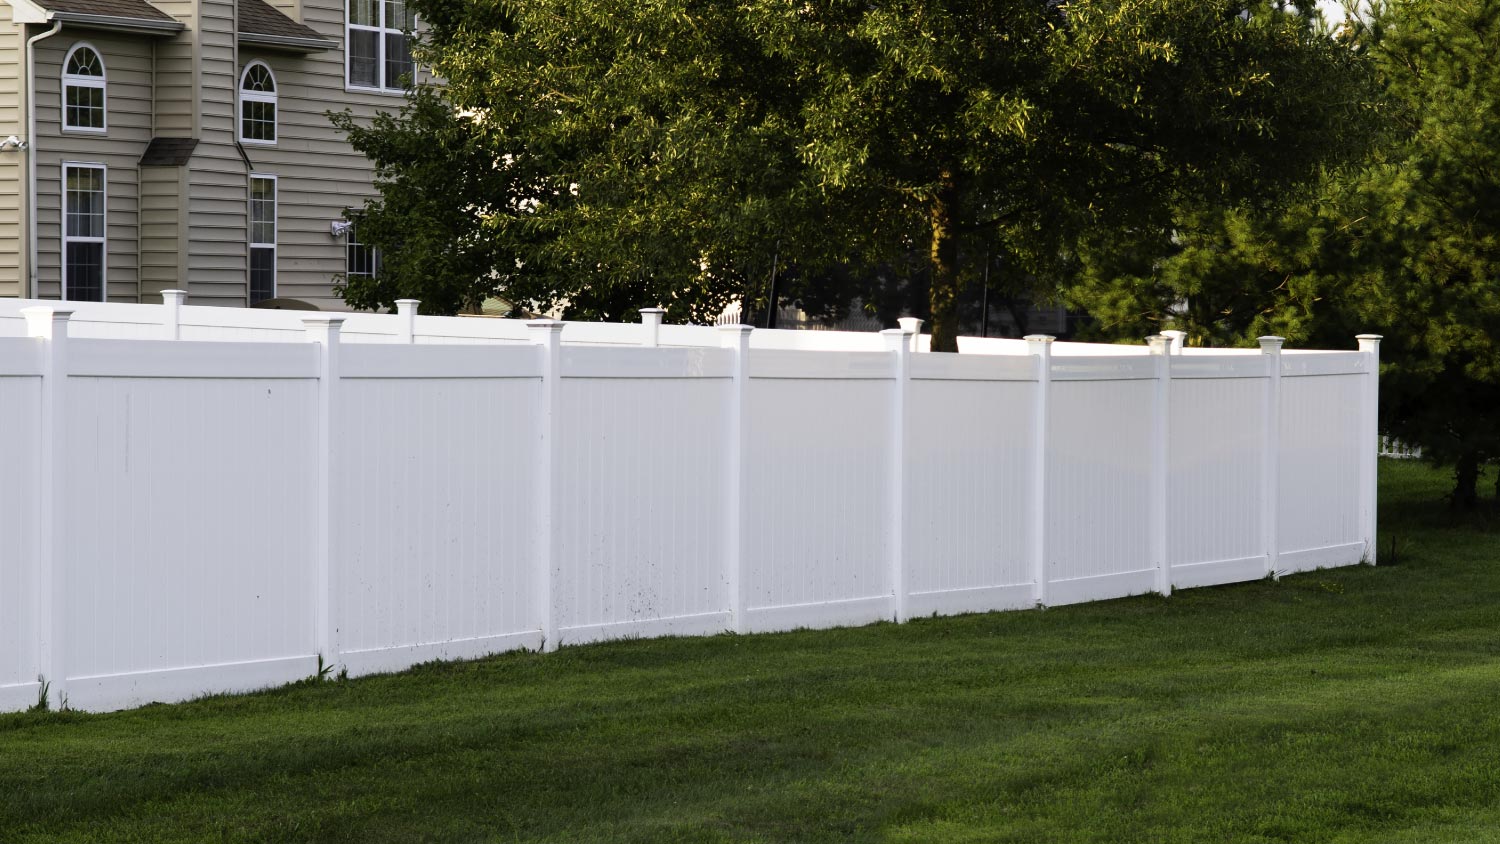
(969,461)
(226,512)
(20,410)
(188,520)
(817,484)
(1214,510)
(433,510)
(641,492)
(1320,470)
(1098,476)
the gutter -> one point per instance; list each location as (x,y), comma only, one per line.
(29,285)
(145,26)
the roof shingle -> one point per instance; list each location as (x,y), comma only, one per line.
(134,9)
(257,17)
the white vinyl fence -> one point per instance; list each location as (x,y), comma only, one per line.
(184,516)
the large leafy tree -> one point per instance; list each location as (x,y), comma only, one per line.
(673,151)
(1433,225)
(1405,243)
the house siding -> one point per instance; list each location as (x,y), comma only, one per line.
(12,162)
(218,264)
(319,174)
(127,64)
(163,234)
(176,76)
(187,226)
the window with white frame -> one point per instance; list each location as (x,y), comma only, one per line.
(361,261)
(262,238)
(377,43)
(83,90)
(257,104)
(83,241)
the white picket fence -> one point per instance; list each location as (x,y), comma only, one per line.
(184,516)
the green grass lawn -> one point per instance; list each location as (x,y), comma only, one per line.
(1357,705)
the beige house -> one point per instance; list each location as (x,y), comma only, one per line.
(186,144)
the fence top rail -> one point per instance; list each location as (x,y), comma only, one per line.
(111,320)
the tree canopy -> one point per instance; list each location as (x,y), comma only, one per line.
(1405,244)
(612,154)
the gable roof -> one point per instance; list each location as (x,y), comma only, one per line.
(262,24)
(130,15)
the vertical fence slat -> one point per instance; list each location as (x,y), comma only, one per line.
(899,342)
(1270,472)
(49,509)
(1369,444)
(1161,348)
(547,335)
(737,338)
(323,329)
(1039,346)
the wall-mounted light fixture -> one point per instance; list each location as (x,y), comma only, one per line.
(340,228)
(12,142)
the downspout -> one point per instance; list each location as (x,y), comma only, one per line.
(30,282)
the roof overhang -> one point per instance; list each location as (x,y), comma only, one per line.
(289,43)
(26,11)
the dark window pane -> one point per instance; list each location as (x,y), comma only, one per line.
(84,62)
(363,13)
(262,274)
(85,272)
(398,61)
(364,58)
(85,107)
(257,78)
(399,16)
(258,121)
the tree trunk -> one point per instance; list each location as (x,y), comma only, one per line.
(1466,482)
(942,294)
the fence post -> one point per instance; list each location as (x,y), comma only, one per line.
(737,338)
(651,321)
(913,326)
(49,324)
(898,341)
(406,311)
(1177,336)
(1369,445)
(1040,347)
(1161,421)
(547,334)
(172,301)
(1270,473)
(323,329)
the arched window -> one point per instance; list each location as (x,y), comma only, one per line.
(257,104)
(83,90)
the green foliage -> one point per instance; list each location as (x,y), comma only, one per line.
(1405,244)
(664,152)
(1436,229)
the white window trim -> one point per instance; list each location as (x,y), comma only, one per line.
(242,96)
(380,32)
(71,80)
(65,238)
(250,244)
